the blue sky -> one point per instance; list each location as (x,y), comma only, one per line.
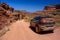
(30,5)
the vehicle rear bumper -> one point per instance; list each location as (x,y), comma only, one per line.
(48,29)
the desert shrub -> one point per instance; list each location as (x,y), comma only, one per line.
(27,19)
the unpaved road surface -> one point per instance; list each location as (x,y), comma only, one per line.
(21,31)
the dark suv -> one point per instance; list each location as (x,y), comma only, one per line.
(42,23)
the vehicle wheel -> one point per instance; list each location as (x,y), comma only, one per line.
(40,30)
(52,31)
(37,29)
(29,26)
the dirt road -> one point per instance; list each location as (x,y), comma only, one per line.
(21,31)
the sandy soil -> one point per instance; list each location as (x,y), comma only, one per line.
(21,31)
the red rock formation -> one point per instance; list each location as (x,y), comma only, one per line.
(50,8)
(5,13)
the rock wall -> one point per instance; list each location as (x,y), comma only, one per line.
(7,16)
(5,19)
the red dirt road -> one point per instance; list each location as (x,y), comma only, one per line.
(21,31)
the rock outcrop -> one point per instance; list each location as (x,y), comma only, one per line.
(5,13)
(7,16)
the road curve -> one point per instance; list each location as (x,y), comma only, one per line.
(21,31)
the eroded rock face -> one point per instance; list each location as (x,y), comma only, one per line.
(6,7)
(7,16)
(49,8)
(52,7)
(5,13)
(3,20)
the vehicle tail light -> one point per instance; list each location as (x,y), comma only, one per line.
(43,21)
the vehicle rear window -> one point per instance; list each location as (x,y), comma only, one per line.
(38,17)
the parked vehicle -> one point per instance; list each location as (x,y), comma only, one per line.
(42,23)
